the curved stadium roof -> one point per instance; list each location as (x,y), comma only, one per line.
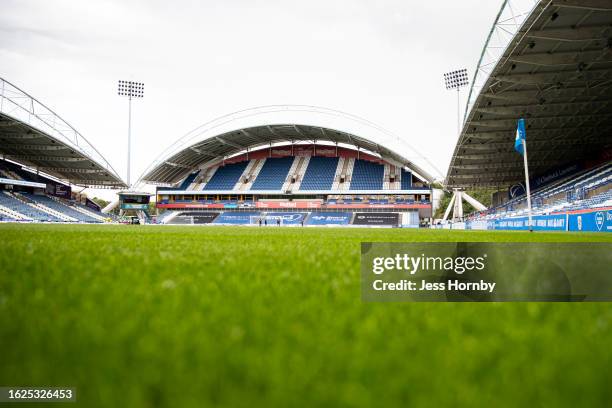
(34,136)
(556,72)
(207,148)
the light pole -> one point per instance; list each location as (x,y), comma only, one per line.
(457,80)
(130,89)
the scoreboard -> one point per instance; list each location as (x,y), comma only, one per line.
(134,201)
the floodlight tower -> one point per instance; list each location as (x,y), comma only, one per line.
(130,89)
(457,80)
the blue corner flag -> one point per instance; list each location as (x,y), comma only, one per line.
(520,136)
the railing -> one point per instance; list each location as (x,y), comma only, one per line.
(19,105)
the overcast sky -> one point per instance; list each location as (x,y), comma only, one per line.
(199,59)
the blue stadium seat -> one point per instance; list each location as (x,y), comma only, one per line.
(273,174)
(187,182)
(226,177)
(367,175)
(320,173)
(25,209)
(569,194)
(406,180)
(60,208)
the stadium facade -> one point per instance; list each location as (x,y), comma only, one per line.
(291,174)
(555,71)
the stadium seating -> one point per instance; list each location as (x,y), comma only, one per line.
(187,182)
(6,217)
(406,183)
(94,213)
(367,176)
(590,189)
(273,174)
(15,172)
(61,208)
(226,177)
(11,202)
(320,173)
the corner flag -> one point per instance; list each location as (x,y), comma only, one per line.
(520,137)
(520,145)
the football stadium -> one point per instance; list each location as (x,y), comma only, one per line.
(229,274)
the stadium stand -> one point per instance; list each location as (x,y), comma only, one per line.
(188,180)
(296,174)
(406,182)
(338,172)
(320,173)
(34,205)
(589,189)
(226,177)
(61,208)
(367,176)
(13,203)
(15,172)
(527,72)
(93,213)
(6,216)
(37,137)
(25,197)
(273,174)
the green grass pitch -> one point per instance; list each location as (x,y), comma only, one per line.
(136,316)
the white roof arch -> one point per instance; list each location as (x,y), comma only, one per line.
(252,128)
(33,135)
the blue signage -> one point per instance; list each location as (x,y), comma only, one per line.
(286,218)
(331,218)
(540,223)
(590,221)
(237,218)
(594,221)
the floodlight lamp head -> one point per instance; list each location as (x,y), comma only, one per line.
(131,89)
(456,79)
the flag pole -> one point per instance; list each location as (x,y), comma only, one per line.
(524,141)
